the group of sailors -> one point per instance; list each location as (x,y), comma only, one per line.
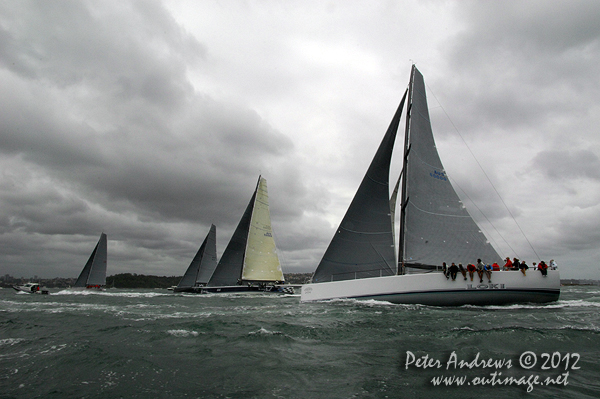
(517,265)
(486,269)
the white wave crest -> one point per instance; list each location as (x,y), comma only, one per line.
(10,341)
(264,331)
(183,333)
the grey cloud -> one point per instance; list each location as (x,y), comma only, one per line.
(563,164)
(522,64)
(115,118)
(104,132)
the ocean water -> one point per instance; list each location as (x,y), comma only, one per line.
(157,344)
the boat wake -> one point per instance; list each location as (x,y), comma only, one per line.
(555,305)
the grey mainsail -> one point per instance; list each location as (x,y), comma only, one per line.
(363,245)
(204,263)
(435,226)
(229,268)
(94,271)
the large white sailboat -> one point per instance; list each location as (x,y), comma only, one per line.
(250,261)
(203,265)
(93,274)
(435,227)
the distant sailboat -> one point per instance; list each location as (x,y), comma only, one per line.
(93,274)
(203,265)
(435,227)
(250,261)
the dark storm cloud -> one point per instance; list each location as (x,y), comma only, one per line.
(103,131)
(138,153)
(150,120)
(515,63)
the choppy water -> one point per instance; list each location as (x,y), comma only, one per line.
(156,344)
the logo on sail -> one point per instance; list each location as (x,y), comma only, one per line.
(439,175)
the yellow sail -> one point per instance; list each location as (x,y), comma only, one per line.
(261,262)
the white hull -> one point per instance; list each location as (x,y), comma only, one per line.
(30,289)
(506,287)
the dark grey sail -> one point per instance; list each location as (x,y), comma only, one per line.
(436,227)
(94,271)
(203,265)
(229,268)
(363,245)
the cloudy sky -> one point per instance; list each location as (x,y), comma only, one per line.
(150,120)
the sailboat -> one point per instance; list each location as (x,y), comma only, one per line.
(250,261)
(93,274)
(435,227)
(203,265)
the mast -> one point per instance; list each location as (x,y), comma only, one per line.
(253,202)
(393,200)
(404,195)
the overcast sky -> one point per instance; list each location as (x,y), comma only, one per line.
(150,120)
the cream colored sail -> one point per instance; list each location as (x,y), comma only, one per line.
(261,262)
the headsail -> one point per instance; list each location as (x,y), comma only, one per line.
(363,245)
(436,227)
(203,264)
(261,262)
(251,254)
(94,271)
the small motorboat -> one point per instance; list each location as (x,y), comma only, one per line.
(31,288)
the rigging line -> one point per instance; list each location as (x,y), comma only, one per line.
(485,174)
(454,183)
(382,258)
